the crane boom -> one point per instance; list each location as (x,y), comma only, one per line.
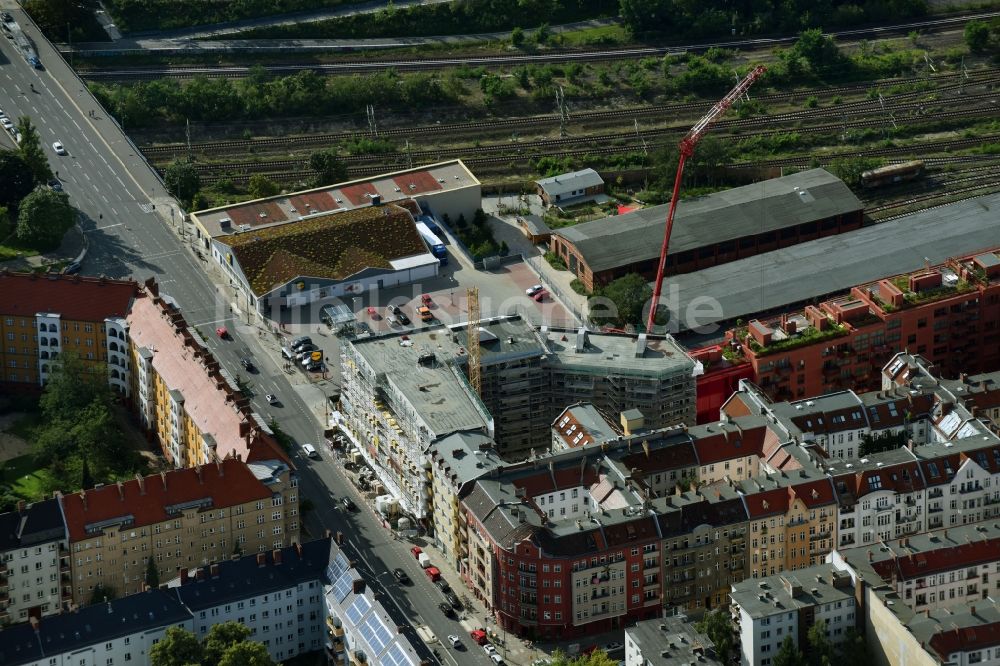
(687,146)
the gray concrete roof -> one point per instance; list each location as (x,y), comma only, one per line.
(672,641)
(569,182)
(835,264)
(467,455)
(777,598)
(742,211)
(606,352)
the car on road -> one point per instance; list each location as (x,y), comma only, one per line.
(540,296)
(300,342)
(372,313)
(58,147)
(348,504)
(271,399)
(534,289)
(287,353)
(6,122)
(497,659)
(443,584)
(478,636)
(311,358)
(455,641)
(310,451)
(453,600)
(72,268)
(401,576)
(6,17)
(613,646)
(415,551)
(222,332)
(248,365)
(489,648)
(446,609)
(55,185)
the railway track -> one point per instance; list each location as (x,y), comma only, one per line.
(971,190)
(897,102)
(429,64)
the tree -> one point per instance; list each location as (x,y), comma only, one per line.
(182,180)
(221,637)
(17,179)
(261,186)
(328,166)
(44,218)
(789,654)
(849,169)
(717,626)
(628,296)
(102,593)
(30,150)
(6,226)
(819,50)
(178,647)
(247,653)
(820,647)
(977,36)
(517,37)
(152,573)
(853,650)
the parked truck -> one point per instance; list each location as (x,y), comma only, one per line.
(437,248)
(424,560)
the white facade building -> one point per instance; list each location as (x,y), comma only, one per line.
(33,542)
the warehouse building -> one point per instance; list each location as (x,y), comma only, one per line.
(570,188)
(711,230)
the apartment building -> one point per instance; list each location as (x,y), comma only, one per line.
(880,498)
(932,570)
(34,565)
(668,641)
(769,610)
(947,313)
(180,519)
(43,316)
(181,392)
(278,595)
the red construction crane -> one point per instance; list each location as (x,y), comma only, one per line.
(687,146)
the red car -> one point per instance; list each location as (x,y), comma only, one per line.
(426,300)
(541,296)
(372,313)
(416,550)
(433,573)
(222,332)
(479,636)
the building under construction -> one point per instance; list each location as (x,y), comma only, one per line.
(402,393)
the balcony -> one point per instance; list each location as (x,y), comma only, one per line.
(600,595)
(335,629)
(650,564)
(63,566)
(935,493)
(3,568)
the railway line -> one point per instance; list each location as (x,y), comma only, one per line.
(897,102)
(506,60)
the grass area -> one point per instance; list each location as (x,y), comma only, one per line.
(603,36)
(26,479)
(25,426)
(10,248)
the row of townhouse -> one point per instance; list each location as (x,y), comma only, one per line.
(290,599)
(75,545)
(180,392)
(751,496)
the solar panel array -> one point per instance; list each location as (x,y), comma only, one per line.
(357,609)
(396,656)
(375,632)
(343,586)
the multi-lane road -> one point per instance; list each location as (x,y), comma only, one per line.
(130,225)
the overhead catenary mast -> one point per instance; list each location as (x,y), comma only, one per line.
(687,146)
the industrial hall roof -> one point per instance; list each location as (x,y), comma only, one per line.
(334,246)
(742,211)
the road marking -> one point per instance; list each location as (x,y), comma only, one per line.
(104,227)
(86,175)
(105,199)
(114,210)
(77,126)
(146,207)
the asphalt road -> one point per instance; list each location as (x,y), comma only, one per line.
(115,191)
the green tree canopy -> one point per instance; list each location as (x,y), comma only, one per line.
(152,573)
(819,50)
(626,298)
(182,180)
(103,593)
(261,186)
(44,218)
(595,658)
(227,644)
(178,647)
(6,224)
(247,653)
(820,647)
(17,179)
(221,637)
(30,150)
(789,654)
(849,169)
(977,36)
(718,626)
(328,166)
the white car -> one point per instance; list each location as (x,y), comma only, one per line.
(310,451)
(531,291)
(58,147)
(497,659)
(271,398)
(7,124)
(489,648)
(454,640)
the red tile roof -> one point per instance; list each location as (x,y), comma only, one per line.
(719,446)
(543,482)
(250,214)
(356,193)
(224,484)
(417,182)
(813,493)
(965,639)
(917,565)
(74,297)
(767,503)
(315,201)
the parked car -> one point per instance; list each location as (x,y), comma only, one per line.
(479,637)
(297,343)
(534,289)
(311,358)
(443,584)
(426,300)
(310,451)
(304,348)
(541,296)
(455,641)
(496,659)
(248,365)
(6,123)
(425,313)
(613,646)
(271,399)
(446,609)
(55,185)
(396,314)
(453,600)
(489,648)
(433,573)
(415,551)
(401,576)
(315,366)
(287,353)
(348,504)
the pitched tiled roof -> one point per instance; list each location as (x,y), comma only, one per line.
(813,493)
(965,639)
(146,502)
(916,565)
(713,446)
(767,503)
(74,297)
(332,247)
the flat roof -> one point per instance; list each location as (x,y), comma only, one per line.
(672,641)
(420,364)
(742,211)
(835,264)
(391,187)
(604,352)
(763,597)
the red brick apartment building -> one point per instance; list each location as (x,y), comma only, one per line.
(949,314)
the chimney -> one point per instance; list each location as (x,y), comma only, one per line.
(359,586)
(214,570)
(871,556)
(142,483)
(218,468)
(276,556)
(121,491)
(83,498)
(184,575)
(244,428)
(163,477)
(261,559)
(340,538)
(298,549)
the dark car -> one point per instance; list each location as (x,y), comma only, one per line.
(401,576)
(56,185)
(443,584)
(453,600)
(6,17)
(400,315)
(248,365)
(300,342)
(446,609)
(71,268)
(348,504)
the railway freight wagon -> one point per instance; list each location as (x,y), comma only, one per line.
(892,174)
